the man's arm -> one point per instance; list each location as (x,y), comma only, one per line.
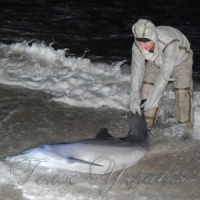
(137,76)
(166,69)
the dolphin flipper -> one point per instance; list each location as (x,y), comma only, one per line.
(83,161)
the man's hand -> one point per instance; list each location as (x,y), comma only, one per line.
(135,108)
(135,102)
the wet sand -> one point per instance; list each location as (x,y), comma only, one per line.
(170,170)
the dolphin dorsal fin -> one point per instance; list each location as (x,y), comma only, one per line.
(103,134)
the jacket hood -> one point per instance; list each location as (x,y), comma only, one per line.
(145,29)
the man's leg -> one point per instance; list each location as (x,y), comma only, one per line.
(151,73)
(183,84)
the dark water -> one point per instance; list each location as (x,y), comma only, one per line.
(103,27)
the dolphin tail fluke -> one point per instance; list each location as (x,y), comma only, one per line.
(138,128)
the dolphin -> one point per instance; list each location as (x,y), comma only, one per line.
(99,155)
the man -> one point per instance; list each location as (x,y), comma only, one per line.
(161,54)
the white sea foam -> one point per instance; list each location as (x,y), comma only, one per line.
(75,81)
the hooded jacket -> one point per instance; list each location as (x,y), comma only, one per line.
(171,48)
